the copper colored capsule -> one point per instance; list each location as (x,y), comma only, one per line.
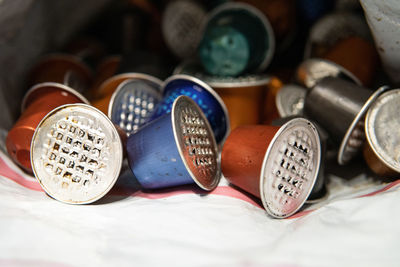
(38,101)
(358,56)
(105,70)
(65,69)
(381,129)
(277,164)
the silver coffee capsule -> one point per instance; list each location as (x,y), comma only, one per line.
(176,149)
(76,154)
(290,100)
(133,103)
(182,26)
(382,124)
(339,107)
(313,70)
(290,168)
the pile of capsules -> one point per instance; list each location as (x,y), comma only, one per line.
(218,113)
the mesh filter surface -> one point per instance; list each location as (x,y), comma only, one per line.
(196,142)
(290,168)
(76,154)
(133,105)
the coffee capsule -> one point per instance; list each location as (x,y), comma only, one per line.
(313,70)
(65,69)
(176,149)
(133,103)
(340,106)
(381,127)
(277,164)
(76,154)
(182,26)
(244,95)
(37,102)
(237,38)
(110,86)
(290,100)
(319,191)
(356,55)
(208,100)
(328,31)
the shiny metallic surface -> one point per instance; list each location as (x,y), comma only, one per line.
(175,149)
(133,103)
(41,89)
(39,100)
(313,70)
(381,126)
(109,86)
(355,135)
(319,191)
(66,69)
(290,100)
(339,107)
(208,100)
(76,154)
(290,168)
(182,26)
(193,68)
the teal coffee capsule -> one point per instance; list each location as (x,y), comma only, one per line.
(237,38)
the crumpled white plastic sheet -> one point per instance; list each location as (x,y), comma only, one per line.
(356,225)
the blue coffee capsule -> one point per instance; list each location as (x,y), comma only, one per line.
(208,100)
(237,38)
(176,149)
(133,102)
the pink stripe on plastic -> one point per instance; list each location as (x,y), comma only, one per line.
(9,173)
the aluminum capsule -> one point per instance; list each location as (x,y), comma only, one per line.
(209,101)
(237,38)
(76,154)
(339,107)
(37,102)
(176,149)
(277,164)
(381,127)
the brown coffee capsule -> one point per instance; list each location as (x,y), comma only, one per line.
(358,56)
(331,29)
(65,69)
(277,164)
(38,101)
(381,127)
(105,70)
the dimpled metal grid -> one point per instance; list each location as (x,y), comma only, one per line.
(290,171)
(75,157)
(133,106)
(197,144)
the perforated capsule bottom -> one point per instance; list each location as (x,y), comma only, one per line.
(76,154)
(197,143)
(290,168)
(133,105)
